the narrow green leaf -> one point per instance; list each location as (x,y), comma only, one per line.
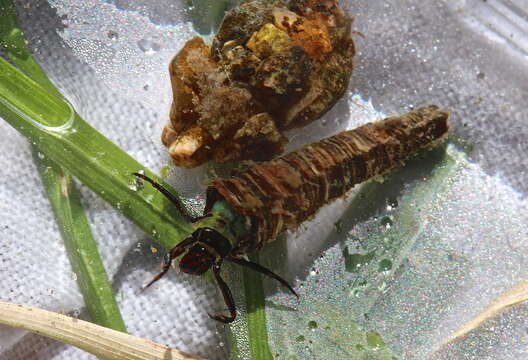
(63,195)
(256,314)
(63,136)
(81,246)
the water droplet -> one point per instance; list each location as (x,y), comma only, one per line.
(374,340)
(354,262)
(385,265)
(40,155)
(393,203)
(387,222)
(221,344)
(312,325)
(149,47)
(360,347)
(133,186)
(74,276)
(112,35)
(146,87)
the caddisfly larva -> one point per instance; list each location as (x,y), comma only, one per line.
(255,206)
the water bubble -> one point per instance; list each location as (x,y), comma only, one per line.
(149,47)
(393,203)
(385,265)
(112,35)
(387,222)
(133,186)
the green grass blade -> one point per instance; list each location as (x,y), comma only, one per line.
(60,133)
(14,45)
(81,246)
(256,314)
(63,195)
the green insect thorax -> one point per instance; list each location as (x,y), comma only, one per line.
(226,220)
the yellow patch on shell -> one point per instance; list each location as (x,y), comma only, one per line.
(269,40)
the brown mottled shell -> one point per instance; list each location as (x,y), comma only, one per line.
(280,194)
(272,66)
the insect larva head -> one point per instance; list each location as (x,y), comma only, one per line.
(197,260)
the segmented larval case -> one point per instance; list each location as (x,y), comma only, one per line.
(280,194)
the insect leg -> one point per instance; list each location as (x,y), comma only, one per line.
(226,293)
(261,269)
(167,260)
(173,199)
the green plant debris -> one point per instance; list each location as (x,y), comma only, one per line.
(374,340)
(300,338)
(165,171)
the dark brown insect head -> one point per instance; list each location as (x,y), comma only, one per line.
(209,246)
(197,260)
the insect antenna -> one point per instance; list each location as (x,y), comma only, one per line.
(173,199)
(227,295)
(261,269)
(167,260)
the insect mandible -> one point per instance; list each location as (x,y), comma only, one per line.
(252,208)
